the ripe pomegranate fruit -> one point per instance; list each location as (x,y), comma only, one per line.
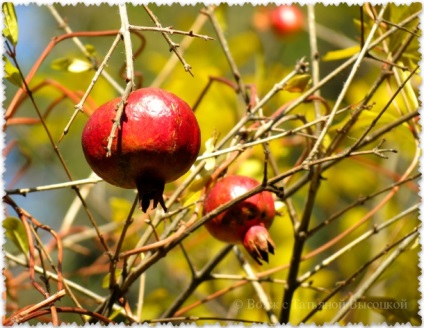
(247,221)
(158,141)
(286,20)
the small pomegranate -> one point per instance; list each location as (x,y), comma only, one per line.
(245,222)
(158,141)
(286,20)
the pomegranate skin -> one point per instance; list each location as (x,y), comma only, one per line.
(158,141)
(286,20)
(244,222)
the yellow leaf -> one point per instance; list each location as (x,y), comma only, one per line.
(299,83)
(79,66)
(72,65)
(341,54)
(11,72)
(10,30)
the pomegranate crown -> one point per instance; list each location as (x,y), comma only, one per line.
(257,241)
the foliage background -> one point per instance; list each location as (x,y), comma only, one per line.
(263,59)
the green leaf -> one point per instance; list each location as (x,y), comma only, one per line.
(10,30)
(12,73)
(341,54)
(299,83)
(15,231)
(72,65)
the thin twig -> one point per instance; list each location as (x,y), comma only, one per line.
(126,36)
(62,23)
(169,30)
(344,283)
(210,12)
(346,86)
(196,280)
(376,229)
(371,280)
(116,125)
(24,191)
(22,316)
(79,107)
(172,45)
(257,286)
(77,287)
(173,60)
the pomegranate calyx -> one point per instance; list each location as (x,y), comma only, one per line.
(149,190)
(257,241)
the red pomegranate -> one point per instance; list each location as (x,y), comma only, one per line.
(286,20)
(246,222)
(158,141)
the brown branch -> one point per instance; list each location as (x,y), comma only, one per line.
(56,40)
(61,309)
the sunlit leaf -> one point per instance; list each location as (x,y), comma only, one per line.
(78,66)
(72,65)
(341,54)
(11,72)
(10,30)
(15,231)
(297,84)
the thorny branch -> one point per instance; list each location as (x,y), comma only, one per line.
(172,45)
(311,164)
